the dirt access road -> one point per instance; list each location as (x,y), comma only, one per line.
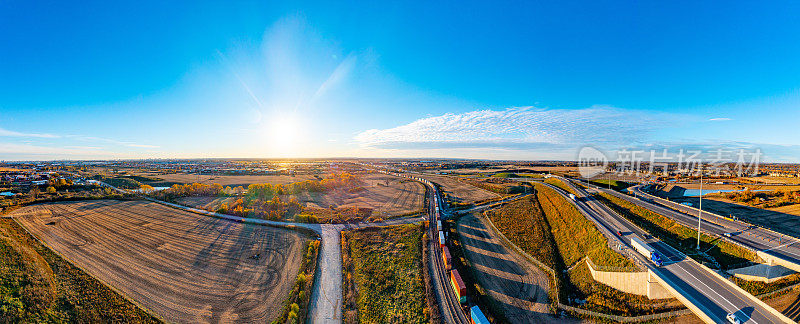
(326,300)
(181,266)
(518,286)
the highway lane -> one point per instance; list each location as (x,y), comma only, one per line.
(711,294)
(747,235)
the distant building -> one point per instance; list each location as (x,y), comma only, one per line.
(784,174)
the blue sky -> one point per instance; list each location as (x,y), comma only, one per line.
(451,79)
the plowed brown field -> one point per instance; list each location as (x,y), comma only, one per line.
(181,266)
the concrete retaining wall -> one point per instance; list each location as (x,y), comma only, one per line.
(772,260)
(637,283)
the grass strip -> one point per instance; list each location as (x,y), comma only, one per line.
(678,236)
(37,285)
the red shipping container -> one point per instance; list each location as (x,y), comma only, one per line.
(458,286)
(446,258)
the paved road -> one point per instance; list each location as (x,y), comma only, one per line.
(712,295)
(752,237)
(490,205)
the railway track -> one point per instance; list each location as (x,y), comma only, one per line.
(449,304)
(450,307)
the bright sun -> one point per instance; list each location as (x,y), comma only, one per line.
(282,135)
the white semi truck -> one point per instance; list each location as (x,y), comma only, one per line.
(645,249)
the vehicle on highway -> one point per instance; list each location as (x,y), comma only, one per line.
(476,316)
(458,286)
(727,234)
(572,196)
(686,203)
(731,317)
(645,249)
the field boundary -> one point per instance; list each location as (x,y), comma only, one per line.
(309,229)
(74,264)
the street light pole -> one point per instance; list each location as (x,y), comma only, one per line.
(700,213)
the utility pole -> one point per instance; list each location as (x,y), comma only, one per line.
(700,213)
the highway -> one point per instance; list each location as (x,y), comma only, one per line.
(709,295)
(752,237)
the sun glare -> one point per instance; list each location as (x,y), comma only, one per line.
(282,135)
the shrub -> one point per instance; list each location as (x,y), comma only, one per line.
(384,267)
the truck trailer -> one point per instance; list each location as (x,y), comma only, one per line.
(645,249)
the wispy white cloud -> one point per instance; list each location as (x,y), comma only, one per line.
(518,128)
(111,141)
(6,132)
(719,119)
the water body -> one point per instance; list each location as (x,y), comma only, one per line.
(154,189)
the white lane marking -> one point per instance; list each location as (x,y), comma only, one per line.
(736,309)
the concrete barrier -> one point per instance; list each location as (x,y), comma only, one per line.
(773,260)
(697,308)
(743,292)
